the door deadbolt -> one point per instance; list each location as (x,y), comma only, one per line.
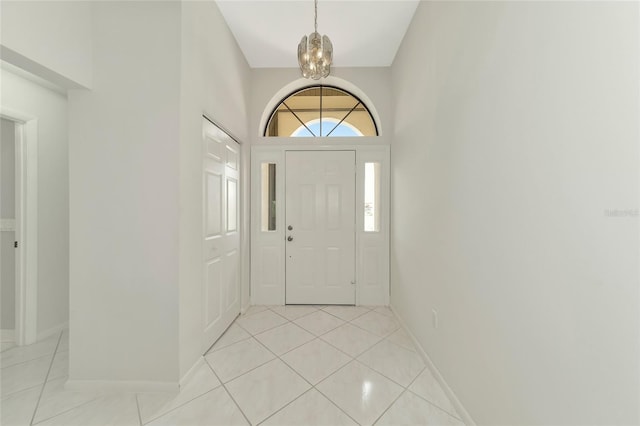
(289,238)
(290,228)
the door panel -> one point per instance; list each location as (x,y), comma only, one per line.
(320,209)
(221,239)
(213,207)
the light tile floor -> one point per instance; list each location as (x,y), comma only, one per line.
(277,365)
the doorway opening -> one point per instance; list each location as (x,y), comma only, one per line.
(19,227)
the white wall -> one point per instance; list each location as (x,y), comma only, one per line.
(516,129)
(50,108)
(214,82)
(51,39)
(124,199)
(7,211)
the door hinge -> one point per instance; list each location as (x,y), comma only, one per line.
(15,244)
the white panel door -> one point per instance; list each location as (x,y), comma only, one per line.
(221,283)
(320,221)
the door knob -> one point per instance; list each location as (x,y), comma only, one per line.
(289,238)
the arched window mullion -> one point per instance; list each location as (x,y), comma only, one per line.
(298,118)
(343,118)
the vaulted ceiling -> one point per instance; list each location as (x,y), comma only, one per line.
(364,33)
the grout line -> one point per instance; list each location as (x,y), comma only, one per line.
(267,329)
(390,405)
(416,378)
(379,373)
(242,374)
(313,337)
(212,350)
(9,348)
(174,408)
(305,315)
(346,321)
(299,346)
(138,406)
(385,316)
(310,384)
(352,356)
(184,403)
(229,393)
(384,375)
(335,347)
(331,401)
(286,405)
(25,361)
(13,394)
(271,308)
(351,360)
(220,337)
(325,332)
(435,405)
(46,378)
(67,410)
(294,372)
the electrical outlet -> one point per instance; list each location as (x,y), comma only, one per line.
(434,318)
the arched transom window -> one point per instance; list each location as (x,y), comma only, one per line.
(321,111)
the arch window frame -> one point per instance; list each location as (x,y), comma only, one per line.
(304,124)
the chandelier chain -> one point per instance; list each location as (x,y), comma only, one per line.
(315,21)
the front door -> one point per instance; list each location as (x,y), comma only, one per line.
(320,227)
(221,283)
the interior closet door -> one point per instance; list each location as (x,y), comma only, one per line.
(221,284)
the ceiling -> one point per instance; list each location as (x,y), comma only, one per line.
(364,33)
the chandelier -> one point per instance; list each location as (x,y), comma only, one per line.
(315,52)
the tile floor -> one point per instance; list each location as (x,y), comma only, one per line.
(293,365)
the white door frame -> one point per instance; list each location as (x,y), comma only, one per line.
(26,224)
(268,247)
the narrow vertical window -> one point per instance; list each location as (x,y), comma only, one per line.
(372,197)
(268,197)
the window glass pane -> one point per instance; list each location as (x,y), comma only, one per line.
(268,197)
(303,132)
(372,197)
(334,126)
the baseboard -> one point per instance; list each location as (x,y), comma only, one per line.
(109,386)
(243,309)
(7,335)
(464,414)
(192,371)
(52,331)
